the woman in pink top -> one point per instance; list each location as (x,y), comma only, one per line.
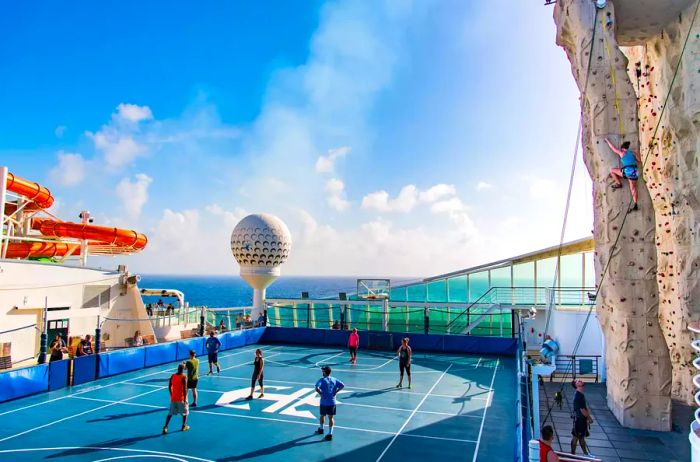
(353,343)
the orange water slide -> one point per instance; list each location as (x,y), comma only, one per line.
(104,240)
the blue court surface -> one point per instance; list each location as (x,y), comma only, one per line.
(460,408)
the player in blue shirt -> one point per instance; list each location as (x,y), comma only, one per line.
(328,387)
(213,345)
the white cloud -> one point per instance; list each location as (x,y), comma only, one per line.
(231,218)
(70,170)
(134,112)
(483,186)
(458,213)
(437,192)
(336,194)
(118,150)
(134,194)
(408,198)
(541,188)
(326,164)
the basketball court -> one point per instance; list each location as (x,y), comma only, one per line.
(461,407)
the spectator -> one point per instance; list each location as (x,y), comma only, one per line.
(149,309)
(160,303)
(336,325)
(222,326)
(138,340)
(170,310)
(58,342)
(261,320)
(547,454)
(84,347)
(248,320)
(56,354)
(582,419)
(239,320)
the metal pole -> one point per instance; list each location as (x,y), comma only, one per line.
(426,319)
(385,315)
(98,336)
(3,191)
(44,333)
(201,323)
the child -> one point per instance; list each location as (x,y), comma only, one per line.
(258,366)
(353,343)
(178,398)
(328,387)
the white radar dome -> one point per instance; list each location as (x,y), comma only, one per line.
(261,240)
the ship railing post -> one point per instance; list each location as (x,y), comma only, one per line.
(44,333)
(3,192)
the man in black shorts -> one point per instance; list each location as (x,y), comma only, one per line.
(404,353)
(192,366)
(582,419)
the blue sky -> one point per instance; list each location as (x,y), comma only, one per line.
(394,137)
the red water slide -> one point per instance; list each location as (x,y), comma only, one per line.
(101,239)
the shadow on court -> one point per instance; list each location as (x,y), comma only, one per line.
(126,415)
(277,448)
(366,394)
(97,447)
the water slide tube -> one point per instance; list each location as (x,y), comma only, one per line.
(109,240)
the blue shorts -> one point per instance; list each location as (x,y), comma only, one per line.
(630,173)
(327,410)
(213,357)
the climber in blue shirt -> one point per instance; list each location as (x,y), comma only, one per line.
(630,169)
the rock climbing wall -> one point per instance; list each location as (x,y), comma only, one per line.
(638,364)
(673,178)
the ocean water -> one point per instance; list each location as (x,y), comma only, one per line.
(228,291)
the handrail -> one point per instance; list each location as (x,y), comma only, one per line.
(478,301)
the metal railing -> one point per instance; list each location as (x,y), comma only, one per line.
(577,366)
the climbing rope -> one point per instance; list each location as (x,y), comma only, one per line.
(627,212)
(579,135)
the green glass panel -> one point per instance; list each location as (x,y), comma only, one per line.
(545,272)
(571,271)
(500,277)
(478,285)
(416,293)
(589,270)
(524,275)
(437,291)
(457,292)
(398,294)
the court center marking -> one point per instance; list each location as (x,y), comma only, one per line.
(340,403)
(388,390)
(272,419)
(76,415)
(99,387)
(412,414)
(68,448)
(483,418)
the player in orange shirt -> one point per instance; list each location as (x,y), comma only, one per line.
(178,398)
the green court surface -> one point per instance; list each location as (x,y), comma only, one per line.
(459,408)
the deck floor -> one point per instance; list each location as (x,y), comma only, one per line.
(609,440)
(460,408)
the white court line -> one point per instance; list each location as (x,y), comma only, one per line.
(99,387)
(327,359)
(68,448)
(483,418)
(75,415)
(412,414)
(366,370)
(252,417)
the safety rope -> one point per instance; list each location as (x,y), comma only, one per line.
(627,212)
(571,176)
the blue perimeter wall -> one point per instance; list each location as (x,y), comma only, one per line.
(44,377)
(27,381)
(421,342)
